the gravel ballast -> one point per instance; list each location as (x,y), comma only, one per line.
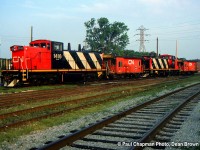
(189,134)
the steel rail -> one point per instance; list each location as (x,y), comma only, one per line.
(69,139)
(154,131)
(54,105)
(43,95)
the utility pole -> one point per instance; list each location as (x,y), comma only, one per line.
(176,49)
(157,46)
(0,48)
(31,33)
(142,40)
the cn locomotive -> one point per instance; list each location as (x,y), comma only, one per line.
(45,61)
(166,64)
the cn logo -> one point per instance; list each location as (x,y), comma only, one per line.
(190,64)
(130,61)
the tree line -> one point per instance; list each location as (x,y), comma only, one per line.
(110,38)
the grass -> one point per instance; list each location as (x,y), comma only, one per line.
(5,90)
(63,107)
(13,134)
(32,104)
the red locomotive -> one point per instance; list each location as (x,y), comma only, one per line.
(180,66)
(45,61)
(168,65)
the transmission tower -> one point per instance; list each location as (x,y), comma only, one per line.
(142,40)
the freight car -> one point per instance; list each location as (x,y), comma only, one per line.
(5,63)
(45,61)
(188,67)
(122,67)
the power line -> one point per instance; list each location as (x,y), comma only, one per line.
(142,40)
(183,24)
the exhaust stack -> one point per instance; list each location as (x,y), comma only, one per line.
(79,47)
(69,47)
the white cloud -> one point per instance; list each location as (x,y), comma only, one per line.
(112,8)
(168,7)
(55,15)
(29,4)
(99,7)
(152,2)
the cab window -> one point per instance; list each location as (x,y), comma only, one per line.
(57,46)
(173,57)
(43,45)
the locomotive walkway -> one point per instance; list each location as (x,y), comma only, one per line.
(151,124)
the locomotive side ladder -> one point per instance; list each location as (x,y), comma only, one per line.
(24,75)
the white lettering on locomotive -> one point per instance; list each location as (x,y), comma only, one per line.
(57,56)
(130,61)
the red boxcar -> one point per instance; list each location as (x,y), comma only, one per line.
(189,67)
(123,66)
(128,65)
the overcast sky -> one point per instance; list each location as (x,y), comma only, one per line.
(63,20)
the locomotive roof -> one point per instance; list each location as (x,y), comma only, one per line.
(128,57)
(42,40)
(86,51)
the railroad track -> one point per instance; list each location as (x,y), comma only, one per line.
(152,122)
(18,118)
(83,104)
(9,100)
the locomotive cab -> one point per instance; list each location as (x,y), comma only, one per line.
(57,55)
(171,60)
(54,51)
(39,56)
